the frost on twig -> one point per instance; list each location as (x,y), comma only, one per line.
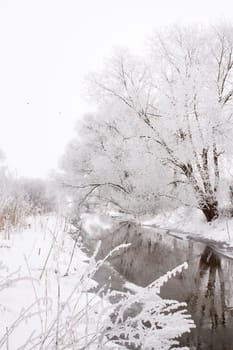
(158,324)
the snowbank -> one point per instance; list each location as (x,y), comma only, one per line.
(190,222)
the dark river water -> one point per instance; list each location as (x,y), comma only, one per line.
(206,286)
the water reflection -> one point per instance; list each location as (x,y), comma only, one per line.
(210,265)
(207,286)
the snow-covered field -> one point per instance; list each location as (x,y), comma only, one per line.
(45,300)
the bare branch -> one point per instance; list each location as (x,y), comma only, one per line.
(97,185)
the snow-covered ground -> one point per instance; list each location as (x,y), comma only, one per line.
(41,302)
(46,303)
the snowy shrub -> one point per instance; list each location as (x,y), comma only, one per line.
(13,206)
(158,323)
(38,195)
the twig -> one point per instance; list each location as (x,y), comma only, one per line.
(58,308)
(49,253)
(71,257)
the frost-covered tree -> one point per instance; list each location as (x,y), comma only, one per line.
(39,194)
(109,162)
(183,93)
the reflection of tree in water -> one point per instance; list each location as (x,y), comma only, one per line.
(152,254)
(147,258)
(208,305)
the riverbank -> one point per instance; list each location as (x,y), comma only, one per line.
(186,222)
(182,222)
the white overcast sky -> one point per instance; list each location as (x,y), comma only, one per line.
(46,49)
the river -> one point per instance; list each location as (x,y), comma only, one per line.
(206,286)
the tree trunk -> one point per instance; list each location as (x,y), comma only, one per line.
(206,198)
(209,208)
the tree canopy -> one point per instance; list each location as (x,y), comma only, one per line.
(164,124)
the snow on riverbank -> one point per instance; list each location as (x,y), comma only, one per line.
(182,222)
(185,221)
(43,305)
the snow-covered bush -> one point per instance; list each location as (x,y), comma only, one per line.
(39,195)
(23,197)
(13,206)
